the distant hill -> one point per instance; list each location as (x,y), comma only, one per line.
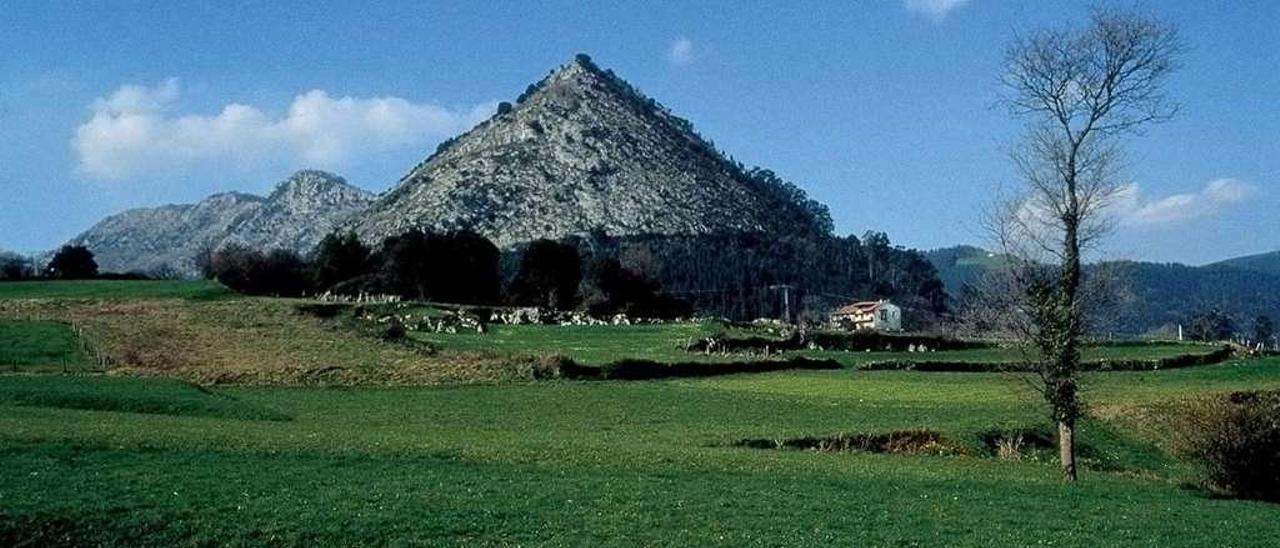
(962,265)
(301,211)
(1159,295)
(1266,263)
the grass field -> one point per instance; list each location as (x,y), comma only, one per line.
(39,346)
(122,460)
(587,345)
(113,290)
(597,345)
(601,463)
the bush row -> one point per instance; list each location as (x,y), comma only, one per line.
(837,340)
(1172,362)
(631,369)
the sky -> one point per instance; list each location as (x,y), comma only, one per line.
(887,111)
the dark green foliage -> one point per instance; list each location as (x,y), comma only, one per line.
(1156,296)
(394,331)
(277,272)
(549,275)
(15,267)
(648,369)
(619,290)
(731,275)
(1172,294)
(72,262)
(779,190)
(1209,326)
(1263,330)
(855,341)
(905,442)
(1156,364)
(338,258)
(1055,314)
(457,267)
(1237,440)
(503,108)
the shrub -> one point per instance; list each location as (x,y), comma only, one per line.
(394,331)
(279,272)
(1237,441)
(455,267)
(15,267)
(73,262)
(549,275)
(633,369)
(339,258)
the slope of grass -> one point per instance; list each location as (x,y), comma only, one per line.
(113,289)
(39,346)
(245,340)
(126,395)
(613,463)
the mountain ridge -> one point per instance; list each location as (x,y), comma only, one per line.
(1156,296)
(167,238)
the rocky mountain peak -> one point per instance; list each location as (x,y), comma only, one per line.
(299,212)
(581,150)
(310,188)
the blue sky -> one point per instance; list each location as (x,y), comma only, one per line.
(886,110)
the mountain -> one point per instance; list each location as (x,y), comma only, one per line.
(962,265)
(582,151)
(297,214)
(1266,263)
(1155,295)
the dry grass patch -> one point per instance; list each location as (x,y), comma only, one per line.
(256,341)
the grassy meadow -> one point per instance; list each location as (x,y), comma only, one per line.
(144,456)
(40,346)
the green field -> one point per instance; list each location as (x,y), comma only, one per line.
(588,345)
(598,345)
(39,346)
(139,458)
(113,290)
(600,463)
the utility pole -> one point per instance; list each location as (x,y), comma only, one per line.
(786,300)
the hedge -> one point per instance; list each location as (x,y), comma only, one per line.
(1173,362)
(630,369)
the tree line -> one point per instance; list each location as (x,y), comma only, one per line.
(459,267)
(738,276)
(70,262)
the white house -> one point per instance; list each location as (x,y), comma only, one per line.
(879,315)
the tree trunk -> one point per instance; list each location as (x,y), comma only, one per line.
(1067,449)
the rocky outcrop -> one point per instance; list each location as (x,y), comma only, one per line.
(300,211)
(580,151)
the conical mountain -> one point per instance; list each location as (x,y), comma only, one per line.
(582,151)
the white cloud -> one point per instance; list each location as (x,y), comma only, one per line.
(936,9)
(681,52)
(134,131)
(1216,196)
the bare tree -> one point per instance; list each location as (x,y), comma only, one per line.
(1080,90)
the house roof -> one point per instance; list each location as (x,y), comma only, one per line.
(863,307)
